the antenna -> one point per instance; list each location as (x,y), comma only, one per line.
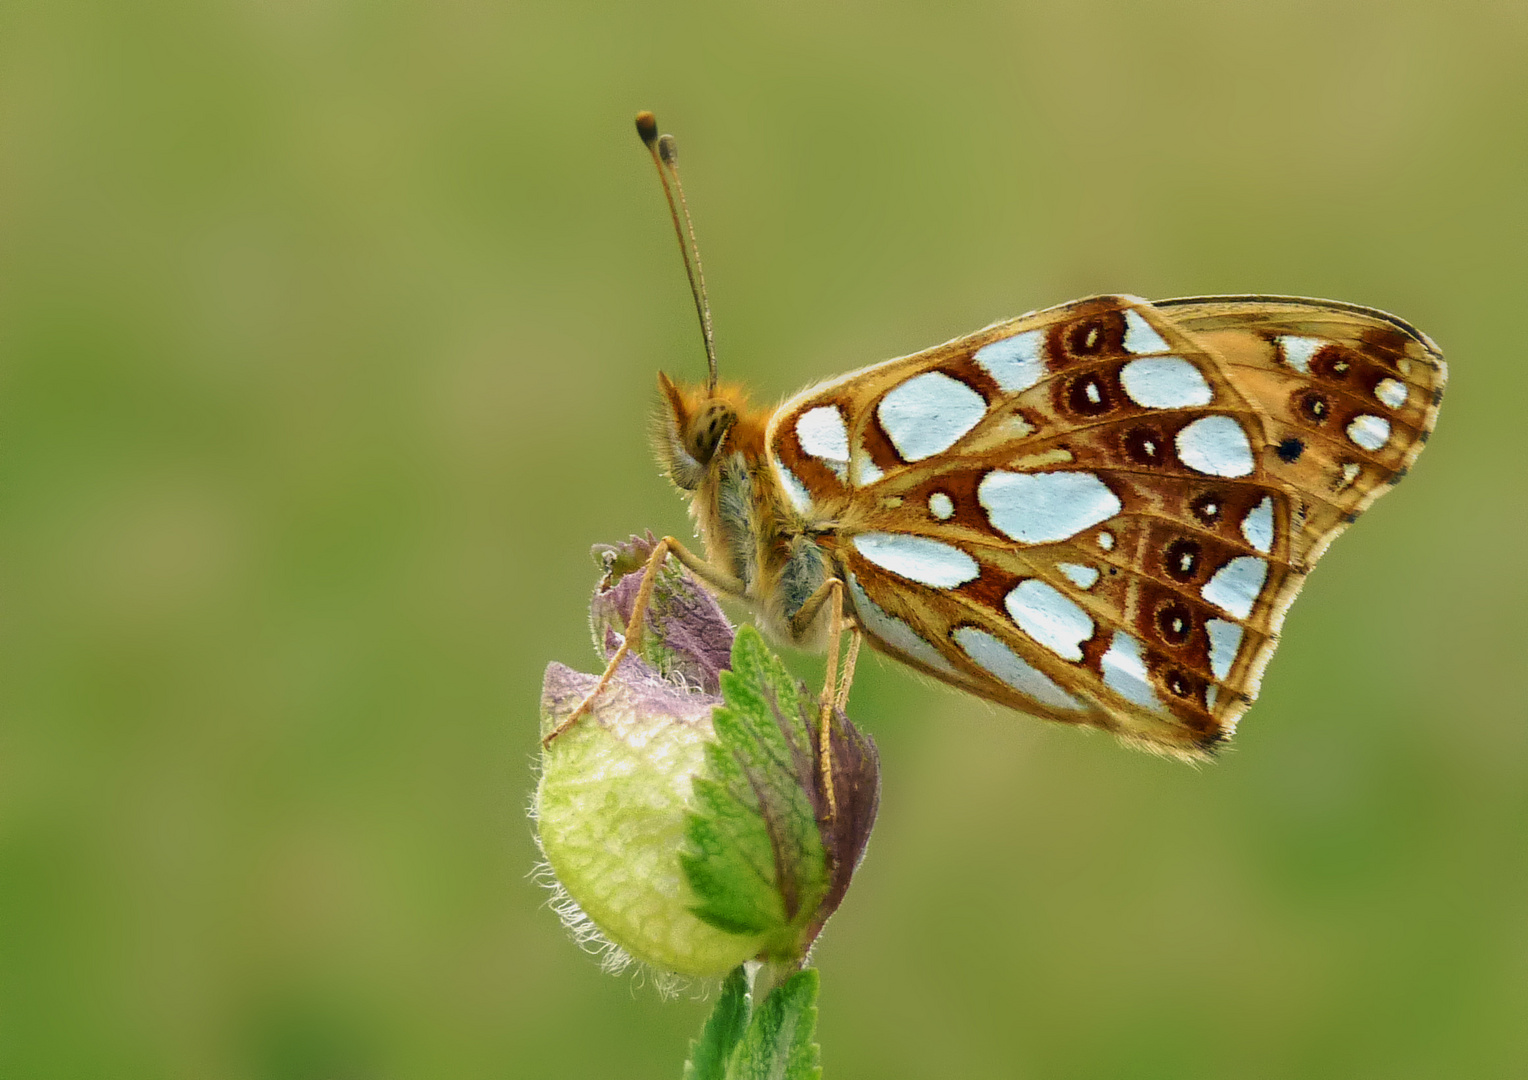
(666,157)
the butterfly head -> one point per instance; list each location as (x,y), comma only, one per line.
(693,423)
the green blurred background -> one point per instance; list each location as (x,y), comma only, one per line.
(328,333)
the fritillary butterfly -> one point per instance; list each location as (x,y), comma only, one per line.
(1098,513)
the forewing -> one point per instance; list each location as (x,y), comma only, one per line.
(1095,513)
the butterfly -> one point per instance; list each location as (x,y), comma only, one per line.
(1098,513)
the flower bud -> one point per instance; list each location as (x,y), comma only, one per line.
(612,807)
(694,815)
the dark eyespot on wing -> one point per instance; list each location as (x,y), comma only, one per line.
(1291,449)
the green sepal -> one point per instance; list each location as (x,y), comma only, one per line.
(724,1027)
(757,861)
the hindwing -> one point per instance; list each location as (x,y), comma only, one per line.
(1100,512)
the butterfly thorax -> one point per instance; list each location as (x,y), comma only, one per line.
(711,444)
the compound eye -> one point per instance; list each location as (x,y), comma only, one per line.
(707,430)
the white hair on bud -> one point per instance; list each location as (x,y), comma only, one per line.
(613,959)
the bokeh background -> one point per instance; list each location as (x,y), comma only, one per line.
(328,333)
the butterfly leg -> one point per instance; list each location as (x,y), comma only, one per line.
(846,679)
(835,687)
(717,579)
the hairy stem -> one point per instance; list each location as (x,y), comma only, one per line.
(770,974)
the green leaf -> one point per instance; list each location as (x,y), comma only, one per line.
(757,862)
(780,1042)
(724,1027)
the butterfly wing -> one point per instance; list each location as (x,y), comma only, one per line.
(1352,395)
(1099,513)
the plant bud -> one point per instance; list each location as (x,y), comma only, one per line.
(685,814)
(614,798)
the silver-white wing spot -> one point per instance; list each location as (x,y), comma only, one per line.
(865,470)
(1257,526)
(1006,665)
(917,558)
(1225,640)
(1392,393)
(1124,670)
(1235,585)
(1369,432)
(822,434)
(1165,382)
(1084,577)
(1050,618)
(1014,363)
(893,631)
(1297,351)
(1216,446)
(1139,336)
(1042,508)
(795,490)
(941,506)
(928,414)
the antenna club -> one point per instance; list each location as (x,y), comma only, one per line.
(668,150)
(647,127)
